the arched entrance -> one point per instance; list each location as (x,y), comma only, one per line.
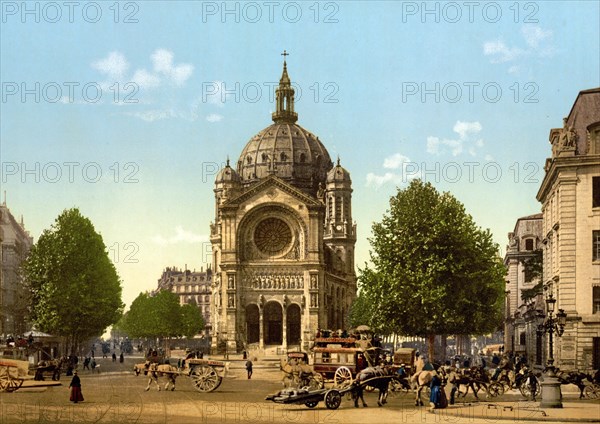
(293,324)
(252,324)
(273,323)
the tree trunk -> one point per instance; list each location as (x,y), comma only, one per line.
(431,347)
(444,348)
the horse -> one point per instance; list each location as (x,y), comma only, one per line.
(576,378)
(421,379)
(291,373)
(379,377)
(155,370)
(468,378)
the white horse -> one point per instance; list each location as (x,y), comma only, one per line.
(156,370)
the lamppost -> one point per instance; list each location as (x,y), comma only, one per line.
(551,395)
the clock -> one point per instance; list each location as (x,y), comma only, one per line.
(272,237)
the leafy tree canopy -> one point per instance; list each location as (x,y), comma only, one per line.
(433,270)
(75,289)
(161,316)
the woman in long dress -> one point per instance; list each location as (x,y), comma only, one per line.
(75,386)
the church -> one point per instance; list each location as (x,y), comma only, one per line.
(282,240)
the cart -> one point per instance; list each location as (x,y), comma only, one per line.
(206,374)
(311,398)
(12,374)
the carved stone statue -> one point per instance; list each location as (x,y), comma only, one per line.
(568,136)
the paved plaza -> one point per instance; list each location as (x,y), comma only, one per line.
(115,395)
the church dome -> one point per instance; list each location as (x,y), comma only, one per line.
(338,174)
(227,174)
(285,149)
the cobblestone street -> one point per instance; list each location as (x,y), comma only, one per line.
(117,396)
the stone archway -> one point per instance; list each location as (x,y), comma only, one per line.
(273,323)
(293,325)
(252,324)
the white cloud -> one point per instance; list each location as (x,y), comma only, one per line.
(162,61)
(114,65)
(152,115)
(536,45)
(214,117)
(145,79)
(395,161)
(407,170)
(534,35)
(180,236)
(465,131)
(500,52)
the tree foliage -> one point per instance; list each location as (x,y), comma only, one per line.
(161,316)
(433,270)
(75,289)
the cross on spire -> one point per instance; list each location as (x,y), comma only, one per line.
(284,54)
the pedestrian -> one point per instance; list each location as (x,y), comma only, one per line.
(75,386)
(121,359)
(249,368)
(437,399)
(93,364)
(86,363)
(114,356)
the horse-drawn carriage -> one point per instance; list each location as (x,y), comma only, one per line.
(341,359)
(12,374)
(207,375)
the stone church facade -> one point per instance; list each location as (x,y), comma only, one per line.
(283,239)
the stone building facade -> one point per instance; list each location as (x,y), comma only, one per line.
(16,243)
(524,298)
(283,239)
(570,197)
(192,287)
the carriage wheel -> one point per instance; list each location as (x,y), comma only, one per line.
(205,378)
(333,399)
(4,379)
(312,403)
(14,384)
(495,389)
(316,382)
(591,392)
(342,377)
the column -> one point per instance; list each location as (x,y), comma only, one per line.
(261,341)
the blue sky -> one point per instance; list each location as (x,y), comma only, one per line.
(127,109)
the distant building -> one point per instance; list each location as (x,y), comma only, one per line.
(16,243)
(523,297)
(193,287)
(570,197)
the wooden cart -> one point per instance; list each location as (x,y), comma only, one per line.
(12,374)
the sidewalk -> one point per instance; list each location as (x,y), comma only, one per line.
(524,411)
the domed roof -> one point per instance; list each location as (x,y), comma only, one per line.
(227,174)
(338,174)
(286,150)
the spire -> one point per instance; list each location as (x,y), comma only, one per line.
(284,97)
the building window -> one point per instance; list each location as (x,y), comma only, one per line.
(596,192)
(522,339)
(596,300)
(596,245)
(529,244)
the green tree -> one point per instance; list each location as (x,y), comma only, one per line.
(75,289)
(192,322)
(161,316)
(433,270)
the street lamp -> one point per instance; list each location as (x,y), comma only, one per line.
(551,395)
